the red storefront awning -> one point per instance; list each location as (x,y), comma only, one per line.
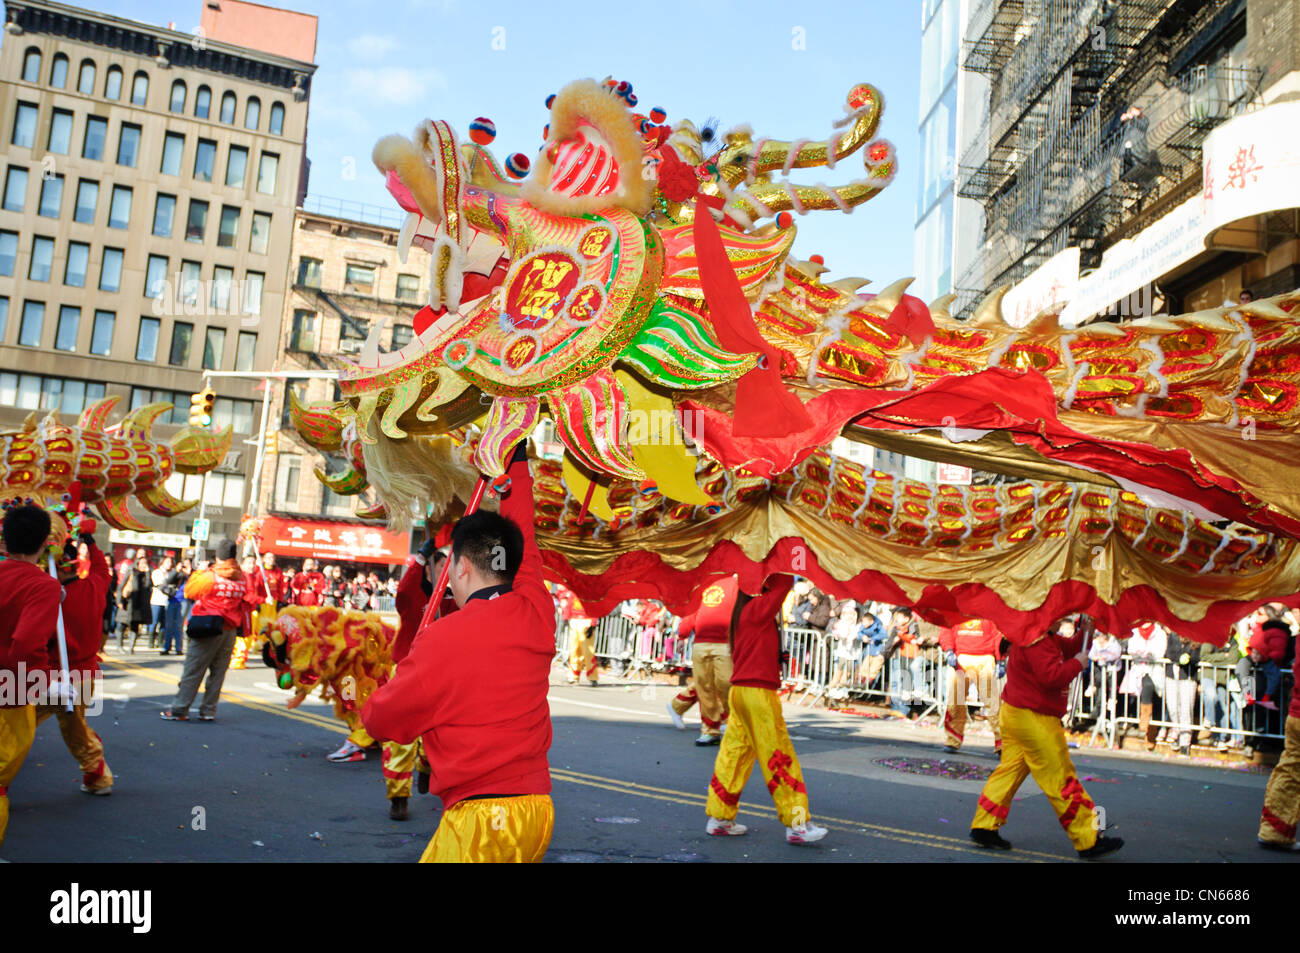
(338,542)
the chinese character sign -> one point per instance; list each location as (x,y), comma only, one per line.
(332,542)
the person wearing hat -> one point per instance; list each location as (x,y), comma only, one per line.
(29,611)
(223,598)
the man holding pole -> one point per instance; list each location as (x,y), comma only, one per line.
(487,741)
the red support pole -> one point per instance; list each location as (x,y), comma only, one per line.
(586,502)
(443,576)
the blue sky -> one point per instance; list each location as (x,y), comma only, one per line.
(383,66)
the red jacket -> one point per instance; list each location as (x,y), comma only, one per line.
(1270,643)
(1039,674)
(29,607)
(221,590)
(756,645)
(712,621)
(482,735)
(272,582)
(83,619)
(411,604)
(1294,710)
(307,588)
(972,637)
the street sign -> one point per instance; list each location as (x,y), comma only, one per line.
(200,531)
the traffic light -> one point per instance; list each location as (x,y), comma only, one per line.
(201,407)
(273,442)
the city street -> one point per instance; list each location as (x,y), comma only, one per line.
(255,786)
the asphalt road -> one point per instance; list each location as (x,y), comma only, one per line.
(255,786)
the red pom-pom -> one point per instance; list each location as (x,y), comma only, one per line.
(784,220)
(550,99)
(678,181)
(517,165)
(501,484)
(482,130)
(817,259)
(657,115)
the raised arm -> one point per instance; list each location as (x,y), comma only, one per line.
(518,506)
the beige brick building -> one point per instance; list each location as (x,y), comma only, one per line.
(147,191)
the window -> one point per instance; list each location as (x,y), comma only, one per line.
(74,272)
(15,189)
(63,394)
(146,344)
(92,147)
(287,469)
(101,333)
(155,276)
(204,159)
(140,89)
(4,317)
(178,96)
(86,78)
(197,223)
(173,146)
(51,196)
(202,102)
(38,269)
(182,337)
(402,334)
(261,236)
(60,132)
(236,414)
(276,127)
(164,211)
(309,272)
(228,227)
(113,83)
(236,165)
(360,279)
(266,171)
(408,287)
(59,71)
(245,350)
(188,292)
(87,201)
(65,333)
(214,344)
(128,145)
(253,292)
(303,334)
(228,108)
(29,331)
(222,279)
(8,252)
(24,126)
(252,113)
(110,270)
(119,207)
(32,66)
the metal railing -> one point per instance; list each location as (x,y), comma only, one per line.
(353,211)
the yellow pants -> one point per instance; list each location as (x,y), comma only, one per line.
(507,830)
(83,743)
(982,671)
(357,733)
(1282,796)
(757,730)
(239,654)
(399,760)
(711,671)
(582,661)
(17,731)
(1036,744)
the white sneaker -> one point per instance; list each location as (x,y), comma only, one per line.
(717,828)
(804,834)
(678,722)
(349,752)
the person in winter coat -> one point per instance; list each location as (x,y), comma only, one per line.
(1220,707)
(133,596)
(1145,676)
(1180,688)
(222,600)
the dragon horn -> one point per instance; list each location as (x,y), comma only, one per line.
(159,501)
(347,482)
(137,424)
(764,199)
(198,450)
(95,415)
(742,160)
(375,512)
(114,512)
(316,424)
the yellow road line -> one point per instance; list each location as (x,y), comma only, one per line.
(617,785)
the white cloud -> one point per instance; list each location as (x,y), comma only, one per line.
(373,46)
(394,85)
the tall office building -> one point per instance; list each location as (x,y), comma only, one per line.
(150,179)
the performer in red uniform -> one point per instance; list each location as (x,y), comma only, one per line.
(82,622)
(972,650)
(757,725)
(272,581)
(486,739)
(1033,742)
(29,609)
(1281,811)
(308,586)
(711,663)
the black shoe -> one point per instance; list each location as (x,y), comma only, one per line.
(950,749)
(1284,848)
(987,838)
(422,781)
(1105,845)
(397,808)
